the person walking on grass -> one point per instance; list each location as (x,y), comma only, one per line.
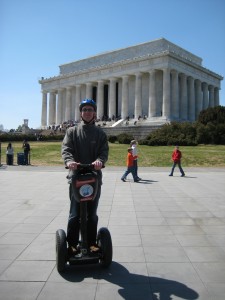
(130,166)
(176,157)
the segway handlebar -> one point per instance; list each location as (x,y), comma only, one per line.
(85,166)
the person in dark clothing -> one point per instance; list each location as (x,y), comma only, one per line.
(176,157)
(9,154)
(26,150)
(85,144)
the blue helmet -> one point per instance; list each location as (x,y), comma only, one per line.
(88,102)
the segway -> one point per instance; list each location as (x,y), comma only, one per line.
(85,185)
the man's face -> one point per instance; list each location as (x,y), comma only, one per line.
(88,113)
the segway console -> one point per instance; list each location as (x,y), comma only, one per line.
(85,188)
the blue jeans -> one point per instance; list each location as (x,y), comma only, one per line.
(73,227)
(26,157)
(135,167)
(128,171)
(179,166)
(9,159)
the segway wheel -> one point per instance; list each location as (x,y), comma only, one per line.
(105,243)
(61,250)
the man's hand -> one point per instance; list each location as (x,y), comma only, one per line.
(97,164)
(72,165)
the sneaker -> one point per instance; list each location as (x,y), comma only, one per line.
(139,178)
(72,251)
(182,175)
(123,179)
(171,175)
(94,249)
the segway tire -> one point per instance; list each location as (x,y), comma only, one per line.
(105,244)
(61,250)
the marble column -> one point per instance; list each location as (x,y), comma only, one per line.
(205,92)
(183,98)
(77,102)
(59,114)
(166,94)
(198,97)
(100,99)
(124,104)
(89,90)
(52,109)
(175,96)
(44,109)
(138,96)
(112,98)
(191,99)
(68,104)
(64,105)
(211,96)
(73,99)
(152,111)
(216,96)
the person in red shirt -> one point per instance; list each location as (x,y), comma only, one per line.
(130,166)
(176,157)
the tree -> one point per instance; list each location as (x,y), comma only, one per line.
(19,129)
(215,115)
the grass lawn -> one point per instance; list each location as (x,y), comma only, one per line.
(48,153)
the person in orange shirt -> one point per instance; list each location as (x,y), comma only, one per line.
(133,145)
(130,166)
(176,157)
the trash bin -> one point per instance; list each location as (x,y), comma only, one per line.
(20,158)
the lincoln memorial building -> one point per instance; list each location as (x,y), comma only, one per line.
(157,80)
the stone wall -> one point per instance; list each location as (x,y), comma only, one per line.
(138,132)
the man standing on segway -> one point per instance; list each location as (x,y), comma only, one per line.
(84,144)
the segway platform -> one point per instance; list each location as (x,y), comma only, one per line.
(86,189)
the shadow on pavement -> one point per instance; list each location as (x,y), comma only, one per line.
(130,285)
(146,181)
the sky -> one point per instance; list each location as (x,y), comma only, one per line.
(36,37)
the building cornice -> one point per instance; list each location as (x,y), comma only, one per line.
(141,59)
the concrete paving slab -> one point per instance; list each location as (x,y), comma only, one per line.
(168,235)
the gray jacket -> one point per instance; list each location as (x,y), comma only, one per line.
(84,144)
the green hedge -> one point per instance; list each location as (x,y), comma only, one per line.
(209,129)
(124,138)
(14,137)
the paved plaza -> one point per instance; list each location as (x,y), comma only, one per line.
(168,236)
